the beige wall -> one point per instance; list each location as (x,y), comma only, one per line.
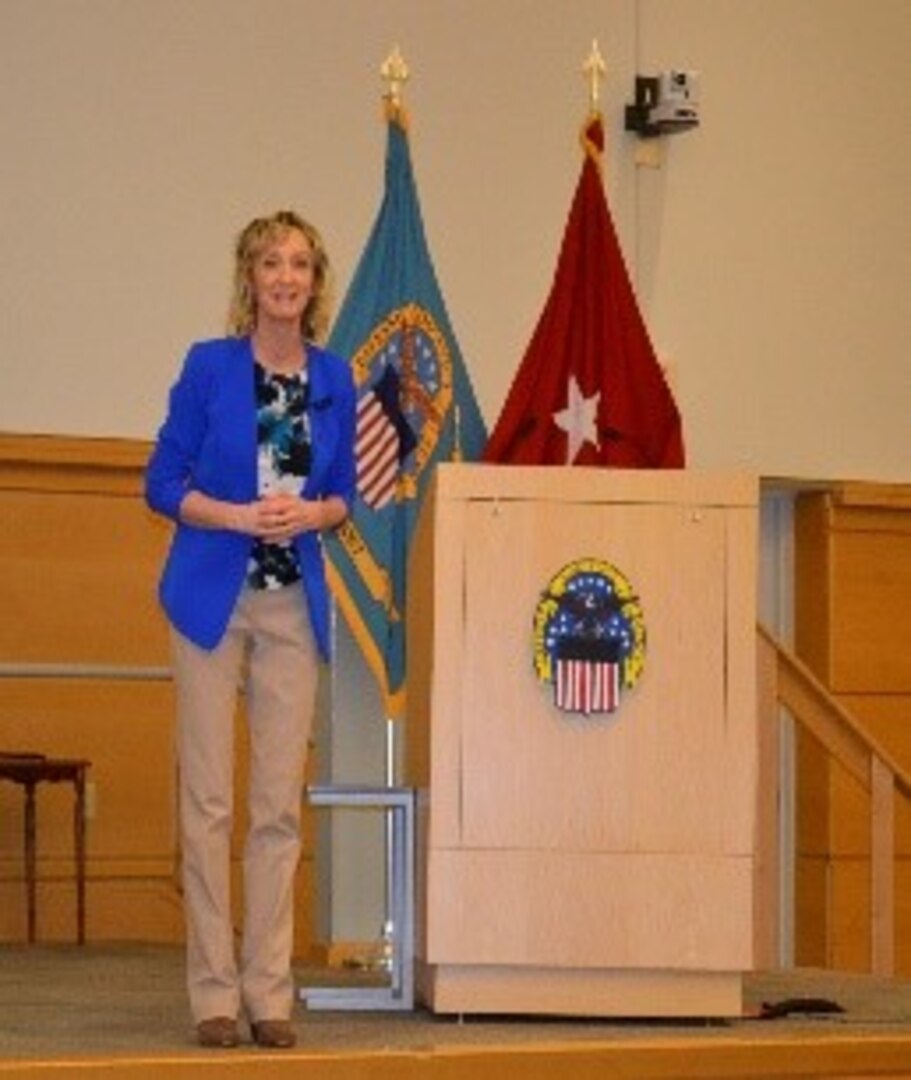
(771,249)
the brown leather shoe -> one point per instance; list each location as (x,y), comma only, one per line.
(273,1034)
(218,1031)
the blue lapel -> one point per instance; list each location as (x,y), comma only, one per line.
(237,406)
(323,423)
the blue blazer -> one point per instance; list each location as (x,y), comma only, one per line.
(208,443)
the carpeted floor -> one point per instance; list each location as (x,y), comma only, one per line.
(62,1000)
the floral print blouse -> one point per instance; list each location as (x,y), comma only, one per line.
(283,464)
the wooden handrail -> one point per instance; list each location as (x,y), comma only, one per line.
(795,687)
(811,703)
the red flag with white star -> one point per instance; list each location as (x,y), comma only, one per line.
(589,390)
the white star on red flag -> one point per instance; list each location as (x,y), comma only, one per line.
(579,420)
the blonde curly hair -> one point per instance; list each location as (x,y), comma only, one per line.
(259,234)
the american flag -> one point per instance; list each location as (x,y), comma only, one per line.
(584,686)
(377,449)
(587,677)
(382,442)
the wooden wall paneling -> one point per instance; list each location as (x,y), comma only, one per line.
(812,848)
(812,562)
(868,496)
(871,615)
(853,622)
(888,719)
(812,581)
(124,729)
(79,579)
(902,914)
(849,809)
(811,917)
(849,946)
(80,557)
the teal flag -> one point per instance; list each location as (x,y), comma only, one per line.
(416,407)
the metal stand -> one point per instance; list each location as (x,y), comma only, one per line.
(398,804)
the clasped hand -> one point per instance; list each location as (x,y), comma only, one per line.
(281,517)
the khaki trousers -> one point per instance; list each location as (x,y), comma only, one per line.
(269,645)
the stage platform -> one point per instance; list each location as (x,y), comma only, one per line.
(118,1012)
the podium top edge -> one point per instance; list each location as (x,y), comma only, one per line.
(559,483)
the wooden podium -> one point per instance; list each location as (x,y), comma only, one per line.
(580,864)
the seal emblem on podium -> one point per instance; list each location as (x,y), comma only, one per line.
(589,637)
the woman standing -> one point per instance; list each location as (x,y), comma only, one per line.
(254,459)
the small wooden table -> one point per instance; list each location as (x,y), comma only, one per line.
(29,770)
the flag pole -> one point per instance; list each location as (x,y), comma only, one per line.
(394,72)
(388,930)
(593,69)
(394,329)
